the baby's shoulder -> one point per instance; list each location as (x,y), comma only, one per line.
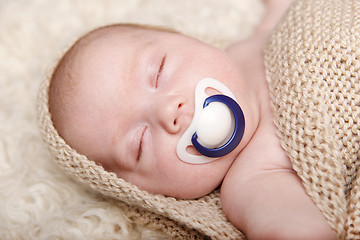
(262,163)
(262,154)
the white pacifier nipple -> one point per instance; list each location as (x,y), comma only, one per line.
(217,126)
(212,130)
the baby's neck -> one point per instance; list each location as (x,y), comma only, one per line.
(257,108)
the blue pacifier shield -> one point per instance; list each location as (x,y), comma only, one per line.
(236,136)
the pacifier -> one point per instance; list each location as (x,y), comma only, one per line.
(217,126)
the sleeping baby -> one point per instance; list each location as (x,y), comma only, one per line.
(180,118)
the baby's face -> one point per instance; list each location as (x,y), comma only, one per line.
(134,100)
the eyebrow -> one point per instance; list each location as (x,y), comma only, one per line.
(138,55)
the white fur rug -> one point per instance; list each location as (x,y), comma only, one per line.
(37,200)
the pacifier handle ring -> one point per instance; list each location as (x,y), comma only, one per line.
(235,138)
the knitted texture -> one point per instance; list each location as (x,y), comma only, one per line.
(312,62)
(201,218)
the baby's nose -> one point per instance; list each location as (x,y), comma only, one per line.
(168,113)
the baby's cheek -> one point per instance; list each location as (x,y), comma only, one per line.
(183,180)
(198,180)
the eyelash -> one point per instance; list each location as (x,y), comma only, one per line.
(160,71)
(141,144)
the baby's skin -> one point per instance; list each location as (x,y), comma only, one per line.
(123,95)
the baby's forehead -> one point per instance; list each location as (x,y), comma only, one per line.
(105,36)
(94,43)
(113,34)
(120,34)
(122,41)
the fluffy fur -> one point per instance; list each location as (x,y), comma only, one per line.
(37,199)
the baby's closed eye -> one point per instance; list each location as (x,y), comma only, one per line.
(160,70)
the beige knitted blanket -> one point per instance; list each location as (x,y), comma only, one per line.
(313,62)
